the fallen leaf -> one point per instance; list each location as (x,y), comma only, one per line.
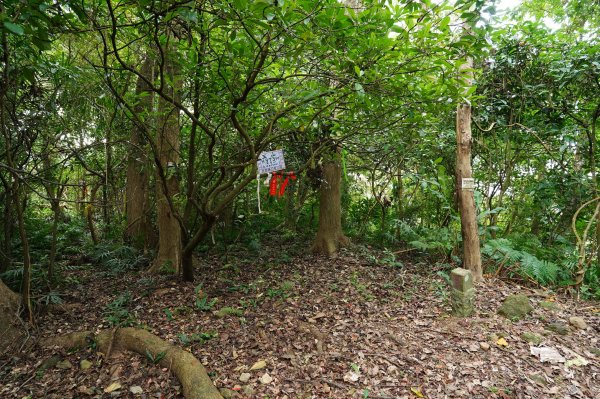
(136,390)
(502,342)
(261,364)
(351,376)
(578,361)
(417,392)
(266,379)
(112,387)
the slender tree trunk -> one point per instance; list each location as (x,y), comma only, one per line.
(169,255)
(26,282)
(136,191)
(399,193)
(330,236)
(106,182)
(56,216)
(466,198)
(187,266)
(593,146)
(89,215)
(5,246)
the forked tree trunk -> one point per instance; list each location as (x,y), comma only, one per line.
(136,192)
(167,183)
(465,196)
(330,236)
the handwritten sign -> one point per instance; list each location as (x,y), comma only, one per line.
(468,183)
(270,161)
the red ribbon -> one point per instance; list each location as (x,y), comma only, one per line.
(273,185)
(275,189)
(285,183)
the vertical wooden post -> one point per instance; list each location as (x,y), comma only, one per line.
(465,195)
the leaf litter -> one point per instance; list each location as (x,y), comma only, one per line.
(316,327)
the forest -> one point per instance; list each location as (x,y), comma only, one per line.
(296,199)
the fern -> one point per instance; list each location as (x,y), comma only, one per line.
(118,258)
(502,251)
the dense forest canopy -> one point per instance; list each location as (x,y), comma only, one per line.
(186,95)
(130,133)
(128,119)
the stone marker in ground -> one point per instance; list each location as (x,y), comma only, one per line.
(463,292)
(515,307)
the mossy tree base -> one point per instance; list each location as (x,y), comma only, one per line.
(188,370)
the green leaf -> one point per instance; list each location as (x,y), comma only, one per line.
(14,28)
(359,89)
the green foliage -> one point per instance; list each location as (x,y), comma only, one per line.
(283,291)
(503,252)
(155,359)
(200,338)
(361,288)
(51,297)
(118,258)
(116,313)
(229,311)
(169,314)
(203,302)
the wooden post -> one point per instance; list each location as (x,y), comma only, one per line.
(464,174)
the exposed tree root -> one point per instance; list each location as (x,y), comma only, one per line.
(188,370)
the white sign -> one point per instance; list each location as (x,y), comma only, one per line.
(468,183)
(270,161)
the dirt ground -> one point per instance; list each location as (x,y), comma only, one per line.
(311,327)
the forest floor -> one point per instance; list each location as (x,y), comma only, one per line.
(300,326)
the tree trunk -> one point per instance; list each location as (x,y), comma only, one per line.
(465,196)
(330,236)
(10,331)
(136,191)
(89,215)
(188,251)
(57,214)
(26,284)
(167,183)
(5,246)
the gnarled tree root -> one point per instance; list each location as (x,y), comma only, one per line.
(188,370)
